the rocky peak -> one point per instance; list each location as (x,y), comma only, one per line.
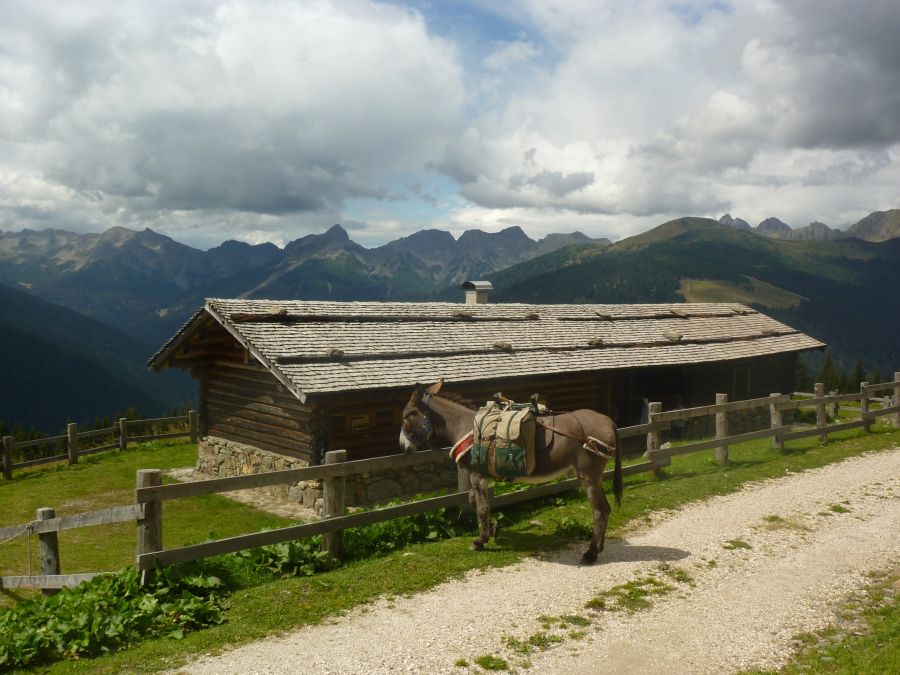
(774,228)
(736,223)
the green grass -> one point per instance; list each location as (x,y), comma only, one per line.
(491,662)
(260,607)
(631,596)
(104,480)
(868,640)
(733,544)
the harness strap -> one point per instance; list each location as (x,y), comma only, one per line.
(589,443)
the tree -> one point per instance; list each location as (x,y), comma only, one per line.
(802,379)
(830,376)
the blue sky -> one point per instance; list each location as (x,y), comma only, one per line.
(265,121)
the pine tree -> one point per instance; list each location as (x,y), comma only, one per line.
(802,379)
(830,376)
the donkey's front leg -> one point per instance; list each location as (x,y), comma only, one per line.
(481,492)
(601,508)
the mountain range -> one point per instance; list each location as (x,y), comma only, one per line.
(125,292)
(877,226)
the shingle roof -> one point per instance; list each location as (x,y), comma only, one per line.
(325,347)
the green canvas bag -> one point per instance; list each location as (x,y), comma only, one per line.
(503,442)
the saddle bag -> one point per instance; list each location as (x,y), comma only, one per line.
(503,440)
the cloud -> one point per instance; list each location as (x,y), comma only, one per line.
(258,108)
(244,119)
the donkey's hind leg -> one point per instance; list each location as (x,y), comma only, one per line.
(602,509)
(482,503)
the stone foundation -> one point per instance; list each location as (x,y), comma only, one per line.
(221,458)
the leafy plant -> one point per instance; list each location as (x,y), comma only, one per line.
(299,558)
(106,614)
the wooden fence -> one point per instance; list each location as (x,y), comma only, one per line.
(150,493)
(70,446)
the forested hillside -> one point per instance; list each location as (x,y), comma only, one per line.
(842,292)
(60,366)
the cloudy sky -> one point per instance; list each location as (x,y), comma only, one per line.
(267,120)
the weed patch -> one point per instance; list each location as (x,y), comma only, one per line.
(838,508)
(734,544)
(491,662)
(630,597)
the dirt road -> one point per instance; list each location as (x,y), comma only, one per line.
(741,575)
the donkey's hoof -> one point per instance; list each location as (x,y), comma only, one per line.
(477,545)
(589,558)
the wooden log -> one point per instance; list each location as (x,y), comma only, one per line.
(821,419)
(872,414)
(291,532)
(156,437)
(93,433)
(864,406)
(653,437)
(318,472)
(6,451)
(642,429)
(703,411)
(72,435)
(775,422)
(676,450)
(123,433)
(41,460)
(194,426)
(805,433)
(150,527)
(113,514)
(879,386)
(897,399)
(159,420)
(721,430)
(99,448)
(37,442)
(48,581)
(49,546)
(333,505)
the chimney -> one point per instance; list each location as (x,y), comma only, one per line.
(476,291)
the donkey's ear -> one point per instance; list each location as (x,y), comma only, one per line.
(435,388)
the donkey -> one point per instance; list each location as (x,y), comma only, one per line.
(582,440)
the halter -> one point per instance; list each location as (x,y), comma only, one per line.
(427,426)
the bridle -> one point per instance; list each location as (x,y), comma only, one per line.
(427,426)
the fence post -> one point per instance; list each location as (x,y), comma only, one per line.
(49,543)
(776,421)
(721,430)
(896,399)
(463,483)
(192,423)
(72,432)
(123,433)
(150,527)
(333,505)
(864,406)
(653,437)
(6,451)
(821,419)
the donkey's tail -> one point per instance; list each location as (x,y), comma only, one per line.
(617,472)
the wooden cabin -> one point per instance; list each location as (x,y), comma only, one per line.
(297,378)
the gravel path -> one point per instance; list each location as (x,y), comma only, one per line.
(812,538)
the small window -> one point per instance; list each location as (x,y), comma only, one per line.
(360,422)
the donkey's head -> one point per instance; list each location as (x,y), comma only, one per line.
(416,428)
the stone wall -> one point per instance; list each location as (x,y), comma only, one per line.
(220,458)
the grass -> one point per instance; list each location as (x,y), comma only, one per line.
(631,596)
(103,480)
(867,639)
(734,544)
(260,607)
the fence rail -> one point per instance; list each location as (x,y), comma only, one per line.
(147,512)
(73,439)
